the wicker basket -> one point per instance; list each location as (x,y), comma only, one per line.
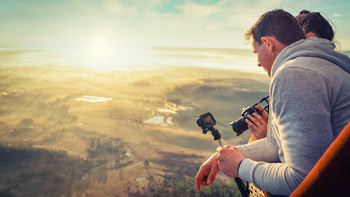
(255,192)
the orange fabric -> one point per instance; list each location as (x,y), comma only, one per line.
(331,174)
(252,138)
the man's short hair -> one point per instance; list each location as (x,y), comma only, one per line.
(314,22)
(278,24)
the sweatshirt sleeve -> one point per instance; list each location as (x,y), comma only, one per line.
(260,150)
(301,112)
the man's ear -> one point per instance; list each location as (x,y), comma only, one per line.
(275,46)
(270,42)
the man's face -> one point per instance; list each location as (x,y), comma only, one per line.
(264,55)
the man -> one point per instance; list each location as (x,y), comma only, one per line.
(313,25)
(309,106)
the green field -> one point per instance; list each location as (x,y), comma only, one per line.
(77,132)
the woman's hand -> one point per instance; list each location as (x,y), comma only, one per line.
(258,124)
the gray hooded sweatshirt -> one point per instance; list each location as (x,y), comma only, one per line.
(309,106)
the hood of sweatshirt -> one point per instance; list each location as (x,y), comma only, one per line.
(312,47)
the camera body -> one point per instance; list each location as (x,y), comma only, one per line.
(207,122)
(240,125)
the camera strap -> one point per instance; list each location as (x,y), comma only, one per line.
(266,108)
(242,188)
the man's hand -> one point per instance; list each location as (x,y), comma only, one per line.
(229,158)
(207,172)
(258,124)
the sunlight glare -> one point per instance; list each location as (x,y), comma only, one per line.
(100,50)
(106,51)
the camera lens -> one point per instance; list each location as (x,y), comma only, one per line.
(239,126)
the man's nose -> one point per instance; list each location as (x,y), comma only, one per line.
(259,65)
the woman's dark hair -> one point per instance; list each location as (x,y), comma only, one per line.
(278,24)
(314,22)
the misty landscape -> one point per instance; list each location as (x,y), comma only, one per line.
(100,98)
(78,132)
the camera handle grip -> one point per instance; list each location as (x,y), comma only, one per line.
(219,141)
(216,135)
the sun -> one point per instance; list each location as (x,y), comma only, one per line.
(100,50)
(108,51)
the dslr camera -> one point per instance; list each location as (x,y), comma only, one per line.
(240,125)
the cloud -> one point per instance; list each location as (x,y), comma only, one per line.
(67,27)
(208,51)
(194,10)
(155,22)
(205,57)
(13,56)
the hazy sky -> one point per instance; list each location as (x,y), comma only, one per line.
(119,33)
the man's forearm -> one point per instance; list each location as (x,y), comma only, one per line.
(277,178)
(261,150)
